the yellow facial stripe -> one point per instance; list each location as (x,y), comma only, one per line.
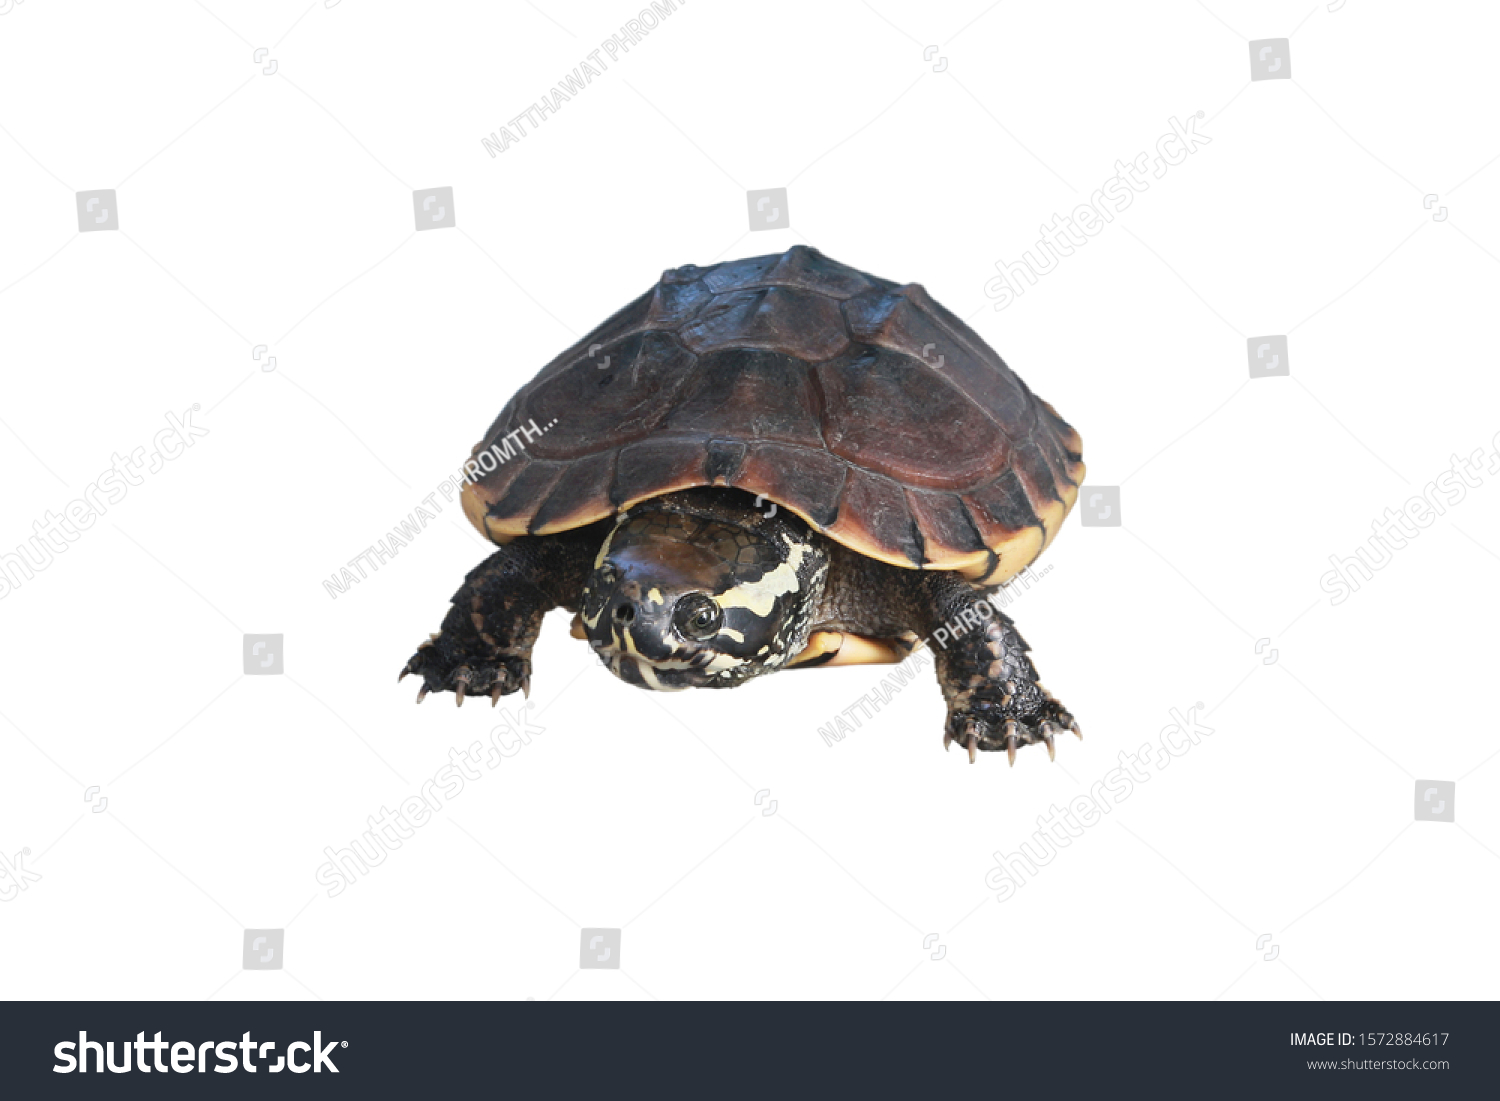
(760,596)
(604,549)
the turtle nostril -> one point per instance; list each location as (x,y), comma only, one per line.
(625,613)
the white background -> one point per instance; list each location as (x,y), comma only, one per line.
(277,209)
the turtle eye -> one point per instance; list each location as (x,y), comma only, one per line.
(698,617)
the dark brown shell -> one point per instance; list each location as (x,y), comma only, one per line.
(864,407)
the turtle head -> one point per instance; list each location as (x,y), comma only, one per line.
(699,589)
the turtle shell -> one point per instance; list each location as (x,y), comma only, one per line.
(861,405)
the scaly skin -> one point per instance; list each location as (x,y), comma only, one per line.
(484,646)
(994,698)
(989,683)
(990,686)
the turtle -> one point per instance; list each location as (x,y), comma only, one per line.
(778,462)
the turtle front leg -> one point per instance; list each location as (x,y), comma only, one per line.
(994,698)
(484,646)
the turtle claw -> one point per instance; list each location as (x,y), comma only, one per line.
(492,672)
(993,693)
(1076,729)
(979,727)
(1049,729)
(421,693)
